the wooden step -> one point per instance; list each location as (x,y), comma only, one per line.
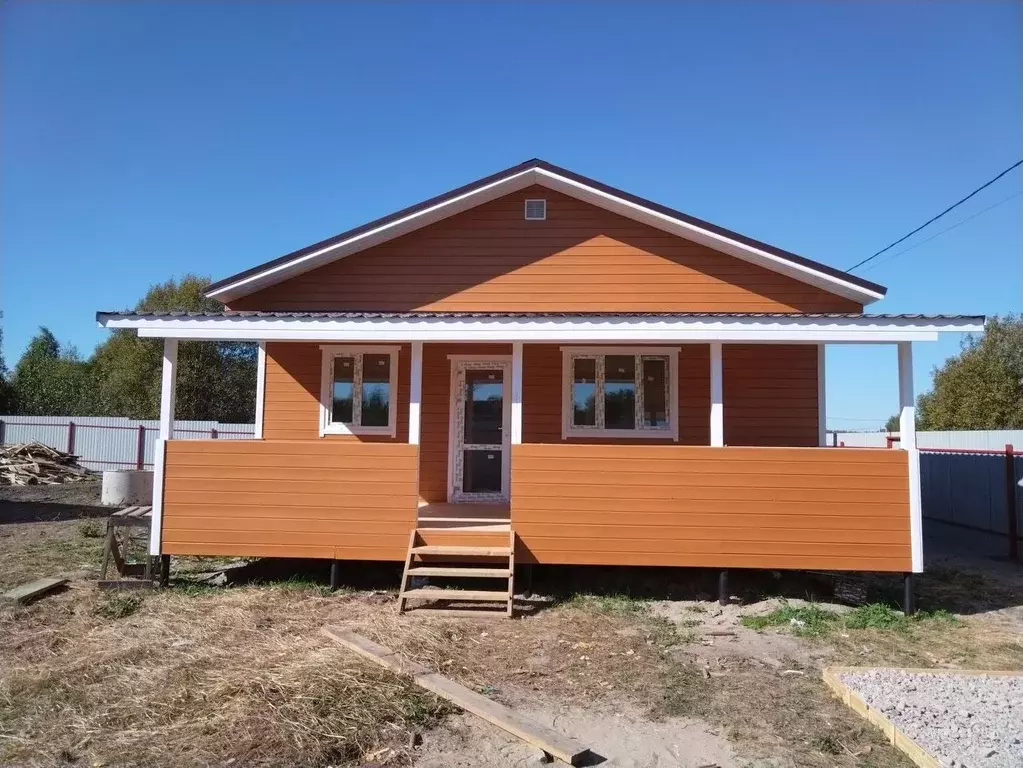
(450,549)
(467,573)
(480,613)
(428,593)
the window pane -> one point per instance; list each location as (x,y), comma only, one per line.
(484,407)
(481,472)
(584,392)
(655,404)
(343,390)
(376,390)
(620,392)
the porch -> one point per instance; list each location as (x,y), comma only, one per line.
(725,468)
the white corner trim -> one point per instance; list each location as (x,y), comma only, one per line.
(822,404)
(156,515)
(569,430)
(275,273)
(916,522)
(260,389)
(328,427)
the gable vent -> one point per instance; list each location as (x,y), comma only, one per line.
(536,210)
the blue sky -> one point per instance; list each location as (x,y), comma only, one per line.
(140,141)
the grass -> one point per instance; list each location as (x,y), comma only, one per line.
(118,604)
(611,605)
(814,621)
(91,529)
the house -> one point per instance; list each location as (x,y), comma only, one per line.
(541,368)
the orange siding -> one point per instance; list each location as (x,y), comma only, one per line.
(802,508)
(770,394)
(582,258)
(281,498)
(292,396)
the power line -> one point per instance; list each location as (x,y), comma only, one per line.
(946,229)
(931,220)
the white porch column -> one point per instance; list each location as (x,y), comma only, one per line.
(167,387)
(822,403)
(907,406)
(415,398)
(516,393)
(260,388)
(717,404)
(907,441)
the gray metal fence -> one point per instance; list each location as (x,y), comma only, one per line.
(971,500)
(104,442)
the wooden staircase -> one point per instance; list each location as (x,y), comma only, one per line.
(445,554)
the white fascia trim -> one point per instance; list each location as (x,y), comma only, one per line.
(606,330)
(718,242)
(551,180)
(381,234)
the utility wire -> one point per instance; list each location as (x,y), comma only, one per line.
(946,229)
(931,220)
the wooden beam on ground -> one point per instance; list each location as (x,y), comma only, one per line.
(550,741)
(26,592)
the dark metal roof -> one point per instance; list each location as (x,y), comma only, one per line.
(427,315)
(537,163)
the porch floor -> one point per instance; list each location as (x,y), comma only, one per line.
(464,517)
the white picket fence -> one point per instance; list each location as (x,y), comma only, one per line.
(110,442)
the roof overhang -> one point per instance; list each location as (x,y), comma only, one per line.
(560,180)
(468,327)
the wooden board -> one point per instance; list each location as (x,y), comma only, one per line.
(26,592)
(541,736)
(900,740)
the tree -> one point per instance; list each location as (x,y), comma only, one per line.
(215,380)
(51,380)
(7,404)
(982,387)
(892,425)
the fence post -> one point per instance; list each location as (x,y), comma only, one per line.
(1010,500)
(3,432)
(70,437)
(140,448)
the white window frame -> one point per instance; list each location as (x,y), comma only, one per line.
(329,353)
(570,354)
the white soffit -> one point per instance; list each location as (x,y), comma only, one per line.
(567,329)
(449,207)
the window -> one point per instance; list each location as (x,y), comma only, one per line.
(623,392)
(359,390)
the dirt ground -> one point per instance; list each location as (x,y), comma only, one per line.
(641,664)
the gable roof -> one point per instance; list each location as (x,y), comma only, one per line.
(540,172)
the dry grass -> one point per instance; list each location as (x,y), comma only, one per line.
(195,679)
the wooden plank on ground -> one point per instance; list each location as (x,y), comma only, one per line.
(550,741)
(26,592)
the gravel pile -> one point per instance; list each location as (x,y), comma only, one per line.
(966,721)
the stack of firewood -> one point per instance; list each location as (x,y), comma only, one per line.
(38,464)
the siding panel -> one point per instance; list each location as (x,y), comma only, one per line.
(582,258)
(341,499)
(827,509)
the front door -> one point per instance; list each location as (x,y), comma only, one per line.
(479,458)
